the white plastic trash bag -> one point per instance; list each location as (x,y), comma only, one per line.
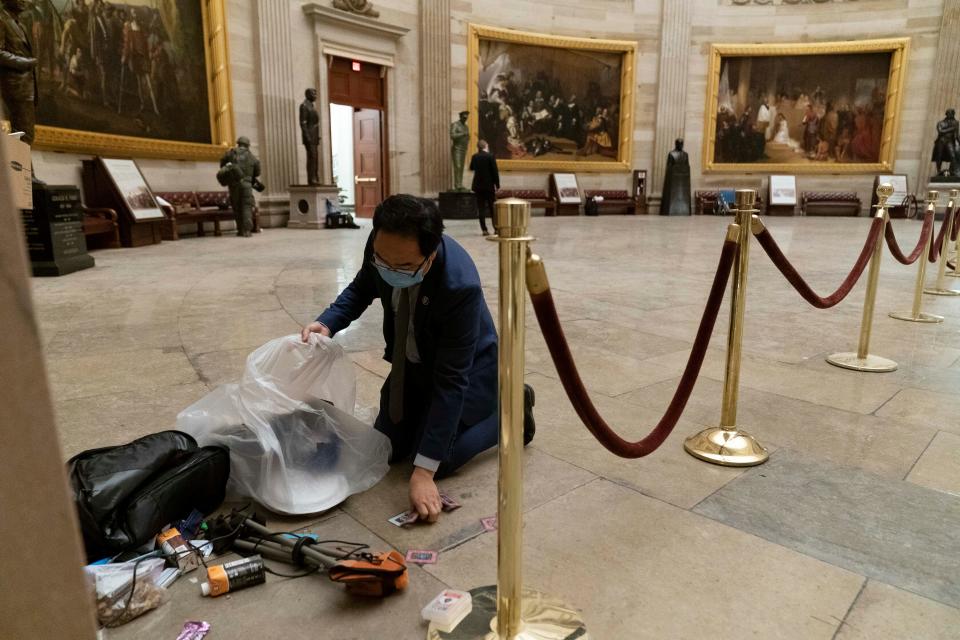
(294,443)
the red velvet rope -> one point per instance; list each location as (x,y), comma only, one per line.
(546,312)
(937,245)
(780,261)
(895,246)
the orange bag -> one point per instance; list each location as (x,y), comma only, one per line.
(373,574)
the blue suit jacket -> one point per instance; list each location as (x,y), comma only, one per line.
(455,337)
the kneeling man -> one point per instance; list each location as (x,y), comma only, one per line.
(439,402)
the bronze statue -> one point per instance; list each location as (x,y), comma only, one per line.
(310,134)
(361,7)
(947,146)
(675,200)
(18,70)
(459,138)
(239,171)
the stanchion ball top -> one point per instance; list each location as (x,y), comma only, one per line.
(884,191)
(933,196)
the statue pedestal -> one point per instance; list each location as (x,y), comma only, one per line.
(54,230)
(308,204)
(458,205)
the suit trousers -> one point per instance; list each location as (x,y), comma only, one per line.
(485,200)
(471,439)
(23,117)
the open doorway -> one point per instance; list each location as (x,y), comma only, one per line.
(358,133)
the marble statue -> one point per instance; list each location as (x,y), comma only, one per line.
(246,168)
(947,146)
(675,200)
(459,139)
(18,70)
(361,7)
(310,134)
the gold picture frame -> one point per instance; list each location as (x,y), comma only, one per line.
(898,48)
(219,92)
(627,49)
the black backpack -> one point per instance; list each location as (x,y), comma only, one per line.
(125,494)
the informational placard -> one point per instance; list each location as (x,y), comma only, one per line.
(783,190)
(900,191)
(568,191)
(133,188)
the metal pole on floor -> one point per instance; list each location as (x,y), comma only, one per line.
(862,360)
(726,445)
(941,288)
(515,613)
(915,314)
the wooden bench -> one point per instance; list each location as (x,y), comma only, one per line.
(705,202)
(830,203)
(536,197)
(613,199)
(100,227)
(188,207)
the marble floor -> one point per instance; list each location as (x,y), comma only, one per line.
(848,532)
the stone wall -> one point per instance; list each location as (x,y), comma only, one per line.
(711,21)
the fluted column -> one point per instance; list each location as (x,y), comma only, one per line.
(672,85)
(435,109)
(944,86)
(279,99)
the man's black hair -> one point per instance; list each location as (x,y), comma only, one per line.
(411,217)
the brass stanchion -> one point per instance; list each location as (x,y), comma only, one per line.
(862,360)
(956,247)
(726,445)
(915,314)
(941,288)
(515,613)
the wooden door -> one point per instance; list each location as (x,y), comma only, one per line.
(367,160)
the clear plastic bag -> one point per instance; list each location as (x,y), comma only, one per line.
(294,443)
(112,584)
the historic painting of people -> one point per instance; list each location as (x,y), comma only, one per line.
(544,102)
(130,68)
(824,107)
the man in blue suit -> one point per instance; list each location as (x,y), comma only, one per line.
(440,401)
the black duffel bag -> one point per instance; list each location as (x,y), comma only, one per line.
(124,495)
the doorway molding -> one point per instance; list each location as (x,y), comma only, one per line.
(340,34)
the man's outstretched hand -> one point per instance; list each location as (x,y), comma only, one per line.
(424,495)
(314,327)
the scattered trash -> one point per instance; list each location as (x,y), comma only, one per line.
(233,576)
(177,550)
(404,518)
(194,630)
(448,609)
(417,556)
(449,504)
(489,524)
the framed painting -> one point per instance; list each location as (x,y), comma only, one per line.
(826,107)
(783,190)
(130,185)
(551,103)
(141,78)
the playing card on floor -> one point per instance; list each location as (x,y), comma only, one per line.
(404,518)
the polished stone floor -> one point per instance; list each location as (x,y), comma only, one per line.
(850,531)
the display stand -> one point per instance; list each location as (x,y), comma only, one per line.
(639,191)
(308,205)
(118,184)
(782,196)
(565,190)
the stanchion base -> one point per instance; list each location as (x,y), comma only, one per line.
(922,317)
(729,447)
(941,292)
(544,618)
(872,364)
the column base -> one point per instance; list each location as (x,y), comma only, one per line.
(726,446)
(308,204)
(544,618)
(871,364)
